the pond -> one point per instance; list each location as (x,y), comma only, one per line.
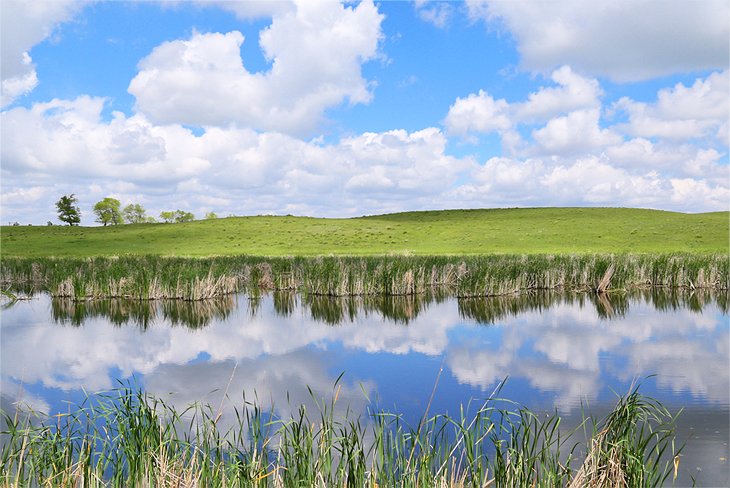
(573,353)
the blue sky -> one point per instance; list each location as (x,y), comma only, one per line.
(329,109)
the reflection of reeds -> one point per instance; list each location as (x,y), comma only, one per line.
(128,438)
(143,313)
(490,310)
(285,302)
(199,313)
(152,277)
(118,312)
(332,310)
(399,309)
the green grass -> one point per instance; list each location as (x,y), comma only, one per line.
(500,231)
(128,438)
(156,277)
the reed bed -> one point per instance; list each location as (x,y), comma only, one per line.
(128,438)
(151,277)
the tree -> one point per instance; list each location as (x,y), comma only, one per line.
(68,210)
(177,216)
(107,211)
(210,216)
(134,213)
(167,217)
(182,216)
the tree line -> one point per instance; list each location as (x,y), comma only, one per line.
(109,211)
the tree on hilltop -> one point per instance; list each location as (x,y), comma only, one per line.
(108,211)
(177,216)
(68,210)
(134,213)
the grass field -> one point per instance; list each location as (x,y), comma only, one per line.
(501,231)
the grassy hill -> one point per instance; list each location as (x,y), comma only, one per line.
(513,231)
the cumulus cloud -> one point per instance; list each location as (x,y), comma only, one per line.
(480,113)
(572,92)
(682,112)
(262,172)
(576,132)
(25,24)
(316,51)
(592,180)
(624,40)
(559,146)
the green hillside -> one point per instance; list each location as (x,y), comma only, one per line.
(513,231)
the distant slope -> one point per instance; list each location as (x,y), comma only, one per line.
(513,231)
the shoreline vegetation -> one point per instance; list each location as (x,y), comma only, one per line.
(160,278)
(129,438)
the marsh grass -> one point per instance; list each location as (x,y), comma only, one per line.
(152,278)
(128,438)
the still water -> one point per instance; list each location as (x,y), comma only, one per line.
(559,352)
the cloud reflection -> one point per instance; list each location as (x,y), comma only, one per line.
(568,345)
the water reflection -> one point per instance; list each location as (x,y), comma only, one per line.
(559,351)
(143,313)
(396,309)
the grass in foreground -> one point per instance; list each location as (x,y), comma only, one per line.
(511,231)
(127,438)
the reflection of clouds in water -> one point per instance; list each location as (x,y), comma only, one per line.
(14,397)
(564,349)
(75,357)
(701,368)
(273,381)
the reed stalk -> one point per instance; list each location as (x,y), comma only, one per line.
(128,438)
(152,277)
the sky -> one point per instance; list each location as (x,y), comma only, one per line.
(334,109)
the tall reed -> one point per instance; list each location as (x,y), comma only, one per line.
(128,438)
(152,277)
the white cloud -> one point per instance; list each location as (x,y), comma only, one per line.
(572,93)
(682,112)
(624,40)
(438,13)
(577,132)
(481,114)
(316,51)
(558,149)
(25,24)
(592,181)
(257,172)
(251,9)
(478,113)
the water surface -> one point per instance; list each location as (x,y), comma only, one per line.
(559,351)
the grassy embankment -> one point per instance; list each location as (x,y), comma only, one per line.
(127,438)
(471,252)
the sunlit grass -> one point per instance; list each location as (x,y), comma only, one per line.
(510,231)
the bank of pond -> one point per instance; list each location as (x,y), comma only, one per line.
(154,277)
